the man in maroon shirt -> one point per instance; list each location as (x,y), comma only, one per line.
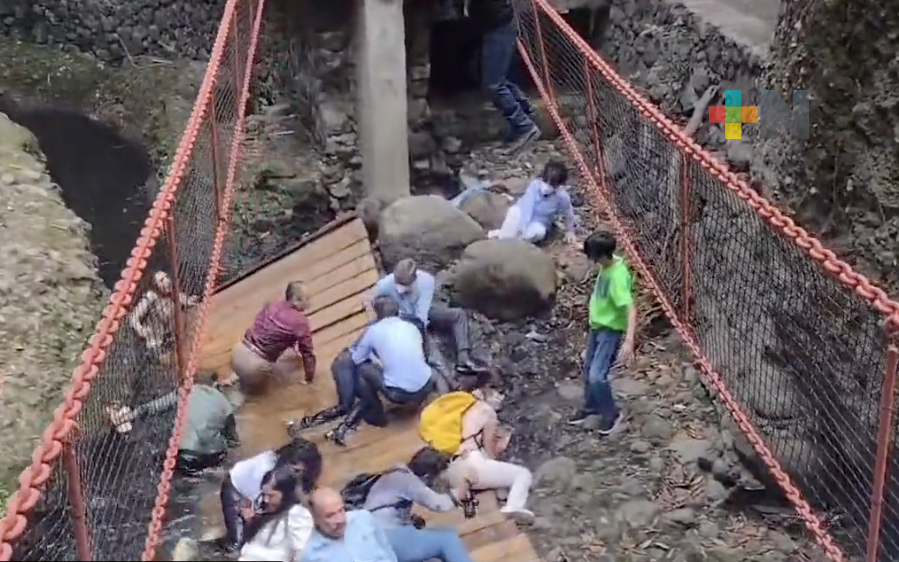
(278,326)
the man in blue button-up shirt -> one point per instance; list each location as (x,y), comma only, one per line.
(342,536)
(413,291)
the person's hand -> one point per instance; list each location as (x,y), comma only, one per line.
(308,378)
(625,353)
(120,417)
(571,238)
(247,511)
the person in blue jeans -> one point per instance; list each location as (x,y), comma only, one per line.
(610,340)
(496,20)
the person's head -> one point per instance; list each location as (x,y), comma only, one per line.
(384,307)
(600,247)
(490,396)
(404,275)
(329,512)
(279,490)
(555,174)
(295,294)
(428,463)
(303,458)
(163,282)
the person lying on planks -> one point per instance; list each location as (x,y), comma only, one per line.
(153,318)
(281,527)
(242,488)
(545,201)
(404,377)
(209,429)
(392,497)
(278,326)
(413,292)
(465,425)
(344,536)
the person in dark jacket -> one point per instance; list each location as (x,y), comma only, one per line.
(496,20)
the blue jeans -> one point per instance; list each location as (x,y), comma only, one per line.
(602,349)
(417,545)
(497,50)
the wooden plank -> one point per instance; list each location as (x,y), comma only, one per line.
(488,535)
(515,549)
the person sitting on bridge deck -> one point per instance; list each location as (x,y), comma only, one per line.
(413,291)
(278,326)
(209,429)
(242,487)
(404,377)
(281,527)
(392,497)
(344,536)
(544,202)
(153,317)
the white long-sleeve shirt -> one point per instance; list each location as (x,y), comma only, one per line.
(281,540)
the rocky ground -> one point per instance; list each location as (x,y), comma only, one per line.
(666,487)
(50,298)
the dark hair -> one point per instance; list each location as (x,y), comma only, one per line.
(555,173)
(293,291)
(283,480)
(600,245)
(306,454)
(428,463)
(385,307)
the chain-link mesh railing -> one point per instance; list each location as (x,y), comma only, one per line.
(98,489)
(797,344)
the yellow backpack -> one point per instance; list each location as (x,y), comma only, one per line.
(440,424)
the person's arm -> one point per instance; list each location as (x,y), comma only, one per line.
(161,404)
(136,319)
(425,286)
(621,294)
(364,348)
(380,536)
(570,217)
(304,347)
(418,493)
(527,203)
(488,435)
(299,529)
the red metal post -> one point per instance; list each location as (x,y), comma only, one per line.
(686,186)
(216,161)
(76,499)
(176,293)
(593,117)
(546,81)
(884,440)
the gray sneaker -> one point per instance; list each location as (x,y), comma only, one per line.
(523,139)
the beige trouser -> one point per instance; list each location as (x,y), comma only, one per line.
(494,475)
(251,369)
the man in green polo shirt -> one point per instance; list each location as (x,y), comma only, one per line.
(610,340)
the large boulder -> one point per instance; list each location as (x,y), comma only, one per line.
(426,228)
(505,279)
(487,209)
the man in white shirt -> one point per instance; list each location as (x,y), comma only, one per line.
(404,376)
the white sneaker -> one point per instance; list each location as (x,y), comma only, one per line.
(520,516)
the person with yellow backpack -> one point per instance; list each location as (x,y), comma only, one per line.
(465,426)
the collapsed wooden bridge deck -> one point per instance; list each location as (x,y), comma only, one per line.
(339,271)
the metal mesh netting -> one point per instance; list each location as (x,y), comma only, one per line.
(803,354)
(99,499)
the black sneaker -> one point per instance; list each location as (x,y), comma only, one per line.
(523,139)
(579,418)
(608,428)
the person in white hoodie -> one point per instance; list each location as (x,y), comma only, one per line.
(279,528)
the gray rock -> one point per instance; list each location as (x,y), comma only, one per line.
(488,209)
(570,391)
(685,516)
(691,450)
(557,472)
(505,279)
(426,228)
(637,513)
(656,429)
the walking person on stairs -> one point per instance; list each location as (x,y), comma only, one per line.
(496,20)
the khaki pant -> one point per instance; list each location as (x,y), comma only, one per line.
(252,370)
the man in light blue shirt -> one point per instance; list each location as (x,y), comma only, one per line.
(544,202)
(342,536)
(413,292)
(403,377)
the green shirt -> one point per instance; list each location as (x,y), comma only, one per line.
(612,297)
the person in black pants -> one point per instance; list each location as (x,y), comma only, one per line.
(496,20)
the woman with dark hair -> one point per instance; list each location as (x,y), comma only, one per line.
(280,526)
(397,491)
(242,488)
(545,201)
